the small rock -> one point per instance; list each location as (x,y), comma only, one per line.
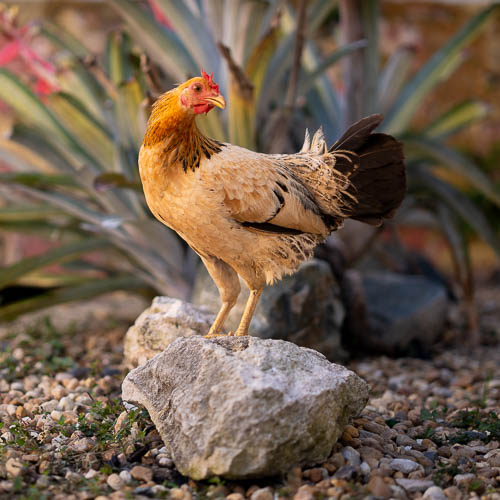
(13,467)
(463,479)
(66,404)
(235,496)
(49,406)
(347,472)
(435,493)
(91,474)
(414,485)
(453,493)
(262,494)
(83,444)
(305,492)
(378,487)
(125,476)
(141,473)
(121,421)
(72,477)
(165,321)
(115,482)
(365,468)
(352,456)
(403,465)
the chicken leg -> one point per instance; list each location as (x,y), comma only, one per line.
(253,299)
(228,283)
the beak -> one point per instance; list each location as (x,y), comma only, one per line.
(216,101)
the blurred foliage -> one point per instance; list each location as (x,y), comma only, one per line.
(73,150)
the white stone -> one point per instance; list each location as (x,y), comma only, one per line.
(435,493)
(404,465)
(165,321)
(243,406)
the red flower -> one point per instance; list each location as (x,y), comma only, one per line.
(17,53)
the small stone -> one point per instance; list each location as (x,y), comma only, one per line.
(378,487)
(262,494)
(352,456)
(66,404)
(115,482)
(403,465)
(164,461)
(414,485)
(235,496)
(13,467)
(453,493)
(21,412)
(305,492)
(42,482)
(58,391)
(56,415)
(316,474)
(49,406)
(83,444)
(33,457)
(365,468)
(444,451)
(91,474)
(463,479)
(72,477)
(347,472)
(121,421)
(435,493)
(125,476)
(431,455)
(141,473)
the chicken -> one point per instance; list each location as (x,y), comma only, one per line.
(258,215)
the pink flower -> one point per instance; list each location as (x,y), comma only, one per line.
(17,52)
(159,15)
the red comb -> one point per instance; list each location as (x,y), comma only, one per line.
(210,80)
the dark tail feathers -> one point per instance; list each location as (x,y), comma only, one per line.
(378,175)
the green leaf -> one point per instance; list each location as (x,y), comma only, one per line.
(113,180)
(27,213)
(37,180)
(460,203)
(457,118)
(310,78)
(9,275)
(92,135)
(437,69)
(163,45)
(193,32)
(393,77)
(31,110)
(446,156)
(84,291)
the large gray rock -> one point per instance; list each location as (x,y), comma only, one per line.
(404,311)
(304,308)
(163,322)
(244,407)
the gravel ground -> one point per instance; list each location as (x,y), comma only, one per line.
(431,428)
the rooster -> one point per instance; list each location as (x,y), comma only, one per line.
(259,215)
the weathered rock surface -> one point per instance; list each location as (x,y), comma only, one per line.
(165,321)
(304,308)
(245,407)
(404,314)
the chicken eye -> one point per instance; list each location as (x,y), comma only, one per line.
(197,87)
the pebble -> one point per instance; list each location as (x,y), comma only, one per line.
(125,476)
(65,404)
(414,485)
(49,406)
(262,494)
(378,487)
(235,496)
(403,465)
(141,473)
(83,444)
(435,493)
(91,474)
(463,479)
(13,467)
(115,482)
(305,492)
(352,456)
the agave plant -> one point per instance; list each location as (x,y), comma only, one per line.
(73,152)
(391,91)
